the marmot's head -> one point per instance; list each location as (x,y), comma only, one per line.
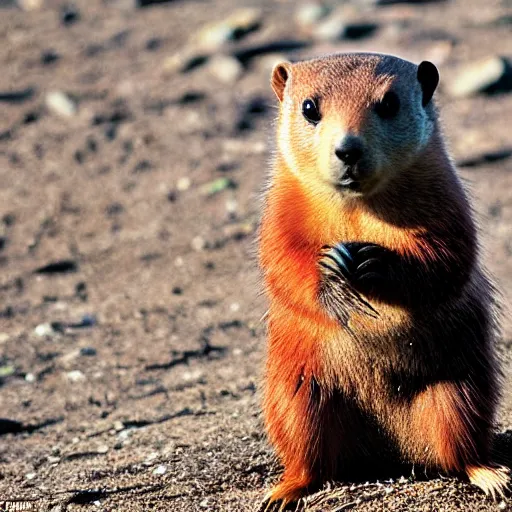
(354,121)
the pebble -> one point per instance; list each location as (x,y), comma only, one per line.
(75,376)
(234,27)
(232,206)
(225,69)
(343,25)
(44,330)
(30,476)
(185,60)
(30,5)
(183,184)
(61,104)
(118,426)
(239,230)
(30,377)
(242,146)
(490,75)
(198,243)
(4,337)
(160,470)
(310,13)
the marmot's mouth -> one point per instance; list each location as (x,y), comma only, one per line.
(351,178)
(350,184)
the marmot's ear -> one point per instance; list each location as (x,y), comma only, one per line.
(280,75)
(428,77)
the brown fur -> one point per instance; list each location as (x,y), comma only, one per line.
(418,378)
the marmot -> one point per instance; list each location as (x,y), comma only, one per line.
(381,320)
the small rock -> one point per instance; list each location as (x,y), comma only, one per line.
(30,476)
(439,52)
(160,470)
(244,147)
(238,231)
(245,54)
(183,184)
(30,377)
(75,376)
(234,27)
(30,5)
(45,329)
(232,207)
(344,25)
(61,104)
(310,13)
(226,69)
(185,60)
(491,75)
(102,449)
(4,338)
(118,426)
(198,243)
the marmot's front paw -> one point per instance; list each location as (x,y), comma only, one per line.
(355,262)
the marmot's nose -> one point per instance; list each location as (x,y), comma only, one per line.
(350,150)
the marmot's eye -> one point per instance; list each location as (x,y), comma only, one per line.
(310,111)
(389,106)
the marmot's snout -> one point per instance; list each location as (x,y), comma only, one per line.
(351,152)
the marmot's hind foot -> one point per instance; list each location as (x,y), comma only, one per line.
(493,480)
(284,496)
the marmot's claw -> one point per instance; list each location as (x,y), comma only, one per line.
(354,261)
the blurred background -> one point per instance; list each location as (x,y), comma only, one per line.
(135,138)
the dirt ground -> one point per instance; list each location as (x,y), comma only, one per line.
(131,340)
